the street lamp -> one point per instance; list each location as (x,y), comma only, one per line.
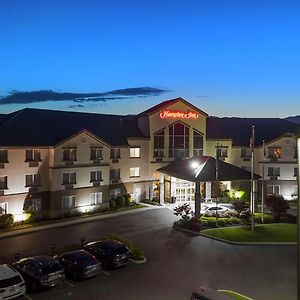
(196,167)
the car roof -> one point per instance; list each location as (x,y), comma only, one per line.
(108,243)
(77,254)
(7,272)
(40,259)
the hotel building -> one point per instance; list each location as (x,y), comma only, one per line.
(53,162)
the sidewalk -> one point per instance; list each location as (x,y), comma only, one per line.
(64,223)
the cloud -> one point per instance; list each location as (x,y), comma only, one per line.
(23,97)
(76,106)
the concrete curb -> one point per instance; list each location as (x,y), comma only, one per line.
(65,223)
(234,243)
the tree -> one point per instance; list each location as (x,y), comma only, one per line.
(277,205)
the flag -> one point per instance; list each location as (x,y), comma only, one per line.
(251,143)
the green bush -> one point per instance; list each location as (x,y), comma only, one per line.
(234,220)
(6,220)
(120,201)
(267,218)
(128,199)
(112,203)
(137,253)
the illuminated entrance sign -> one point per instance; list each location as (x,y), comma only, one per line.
(169,114)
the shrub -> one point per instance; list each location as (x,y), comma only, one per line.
(288,218)
(195,224)
(267,218)
(221,222)
(245,217)
(137,253)
(112,203)
(120,201)
(240,206)
(184,211)
(128,199)
(209,221)
(277,205)
(233,220)
(6,220)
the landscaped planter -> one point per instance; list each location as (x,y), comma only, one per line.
(141,260)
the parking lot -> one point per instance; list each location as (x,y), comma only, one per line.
(177,263)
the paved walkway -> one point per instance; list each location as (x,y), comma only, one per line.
(64,223)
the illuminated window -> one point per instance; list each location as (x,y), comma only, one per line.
(3,156)
(159,144)
(273,171)
(273,190)
(115,153)
(95,176)
(96,153)
(114,174)
(135,172)
(245,152)
(33,180)
(178,140)
(69,154)
(221,151)
(135,152)
(3,208)
(32,155)
(95,198)
(69,178)
(274,152)
(3,182)
(68,202)
(198,143)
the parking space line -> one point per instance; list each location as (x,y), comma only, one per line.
(106,273)
(27,297)
(69,283)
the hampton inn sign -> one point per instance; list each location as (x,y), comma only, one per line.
(176,114)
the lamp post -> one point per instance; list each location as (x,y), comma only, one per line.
(196,167)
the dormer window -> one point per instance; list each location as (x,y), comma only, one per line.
(274,152)
(115,153)
(69,154)
(96,153)
(135,152)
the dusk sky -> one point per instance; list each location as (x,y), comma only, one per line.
(229,58)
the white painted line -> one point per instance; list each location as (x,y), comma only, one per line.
(69,283)
(106,273)
(27,297)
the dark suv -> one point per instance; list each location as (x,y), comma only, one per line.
(40,272)
(111,253)
(79,264)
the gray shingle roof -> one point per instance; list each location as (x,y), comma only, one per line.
(239,129)
(38,127)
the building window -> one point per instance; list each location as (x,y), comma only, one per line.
(221,151)
(3,182)
(245,152)
(96,176)
(272,171)
(68,202)
(135,172)
(198,143)
(273,190)
(115,174)
(95,198)
(33,180)
(69,154)
(96,153)
(135,152)
(295,172)
(114,193)
(159,144)
(3,156)
(274,152)
(69,178)
(3,208)
(178,140)
(35,205)
(115,153)
(32,155)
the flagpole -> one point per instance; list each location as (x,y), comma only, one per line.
(263,183)
(252,179)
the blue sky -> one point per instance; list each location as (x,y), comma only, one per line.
(229,58)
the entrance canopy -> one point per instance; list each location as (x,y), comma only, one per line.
(203,169)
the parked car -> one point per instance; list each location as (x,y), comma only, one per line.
(12,285)
(40,271)
(212,210)
(79,264)
(111,253)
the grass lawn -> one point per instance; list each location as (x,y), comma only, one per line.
(276,232)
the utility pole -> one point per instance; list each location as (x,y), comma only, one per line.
(217,177)
(252,178)
(263,183)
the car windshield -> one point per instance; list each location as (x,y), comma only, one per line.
(10,281)
(51,267)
